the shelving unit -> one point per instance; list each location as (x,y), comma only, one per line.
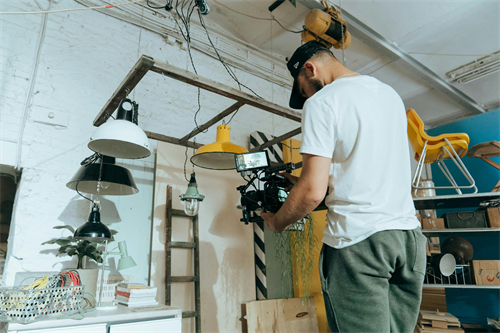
(456,200)
(458,286)
(441,232)
(473,201)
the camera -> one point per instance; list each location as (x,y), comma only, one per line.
(270,198)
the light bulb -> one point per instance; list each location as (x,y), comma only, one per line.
(191,207)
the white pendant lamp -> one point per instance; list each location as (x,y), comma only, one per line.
(220,154)
(121,138)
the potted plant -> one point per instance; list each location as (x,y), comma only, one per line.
(80,248)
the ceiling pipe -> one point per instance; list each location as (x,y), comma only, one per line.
(388,49)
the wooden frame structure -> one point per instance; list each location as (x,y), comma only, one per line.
(146,64)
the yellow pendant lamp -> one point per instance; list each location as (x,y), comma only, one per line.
(220,154)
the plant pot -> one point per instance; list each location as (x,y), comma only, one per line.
(88,278)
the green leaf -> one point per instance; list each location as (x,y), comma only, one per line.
(113,232)
(70,228)
(71,252)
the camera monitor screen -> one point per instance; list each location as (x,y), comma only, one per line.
(251,161)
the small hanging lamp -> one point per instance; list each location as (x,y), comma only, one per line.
(192,197)
(121,138)
(115,180)
(220,154)
(93,230)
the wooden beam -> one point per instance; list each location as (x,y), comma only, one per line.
(141,67)
(169,139)
(212,121)
(277,139)
(223,90)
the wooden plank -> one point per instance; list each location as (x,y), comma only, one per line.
(197,291)
(189,314)
(212,121)
(433,299)
(223,90)
(439,324)
(277,139)
(182,245)
(169,139)
(180,213)
(141,67)
(183,278)
(168,252)
(282,315)
(443,316)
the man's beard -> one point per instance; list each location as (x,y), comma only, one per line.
(315,84)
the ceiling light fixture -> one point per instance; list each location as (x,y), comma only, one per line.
(94,230)
(477,69)
(220,154)
(115,180)
(192,197)
(121,138)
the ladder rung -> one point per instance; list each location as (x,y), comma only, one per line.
(183,245)
(180,213)
(189,314)
(183,278)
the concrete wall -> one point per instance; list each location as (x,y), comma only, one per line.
(84,57)
(226,244)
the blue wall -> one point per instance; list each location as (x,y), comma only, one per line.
(474,305)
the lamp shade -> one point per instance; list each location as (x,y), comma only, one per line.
(220,154)
(93,230)
(121,138)
(125,261)
(115,180)
(192,197)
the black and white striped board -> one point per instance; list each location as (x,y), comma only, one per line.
(275,153)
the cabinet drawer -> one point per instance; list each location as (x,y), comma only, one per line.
(172,325)
(97,328)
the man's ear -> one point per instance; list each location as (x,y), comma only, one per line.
(311,69)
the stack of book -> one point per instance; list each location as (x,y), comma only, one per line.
(135,295)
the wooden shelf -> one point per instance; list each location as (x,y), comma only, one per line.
(436,232)
(459,286)
(456,200)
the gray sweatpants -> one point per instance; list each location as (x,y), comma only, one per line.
(376,284)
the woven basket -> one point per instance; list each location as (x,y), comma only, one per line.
(27,306)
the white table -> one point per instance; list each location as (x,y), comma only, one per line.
(120,320)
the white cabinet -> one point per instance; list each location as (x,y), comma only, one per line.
(98,328)
(154,326)
(165,319)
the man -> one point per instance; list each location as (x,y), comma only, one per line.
(354,143)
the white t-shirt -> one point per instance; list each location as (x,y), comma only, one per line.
(360,123)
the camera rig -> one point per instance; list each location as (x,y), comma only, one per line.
(270,199)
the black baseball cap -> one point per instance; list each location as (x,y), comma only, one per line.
(298,59)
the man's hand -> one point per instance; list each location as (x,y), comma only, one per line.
(270,221)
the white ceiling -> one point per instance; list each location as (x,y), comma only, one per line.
(442,35)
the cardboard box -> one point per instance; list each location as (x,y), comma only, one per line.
(487,272)
(433,224)
(493,215)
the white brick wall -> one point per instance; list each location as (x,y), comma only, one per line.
(84,57)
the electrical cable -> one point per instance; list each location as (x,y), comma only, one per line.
(228,69)
(258,18)
(48,11)
(29,95)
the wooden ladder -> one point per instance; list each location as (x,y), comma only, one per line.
(195,246)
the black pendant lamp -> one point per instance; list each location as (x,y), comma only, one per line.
(115,180)
(93,230)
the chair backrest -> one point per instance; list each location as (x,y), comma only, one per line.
(414,135)
(418,137)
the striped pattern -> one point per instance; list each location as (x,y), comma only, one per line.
(275,153)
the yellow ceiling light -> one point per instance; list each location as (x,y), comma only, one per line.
(220,154)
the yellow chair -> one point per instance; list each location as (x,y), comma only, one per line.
(430,149)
